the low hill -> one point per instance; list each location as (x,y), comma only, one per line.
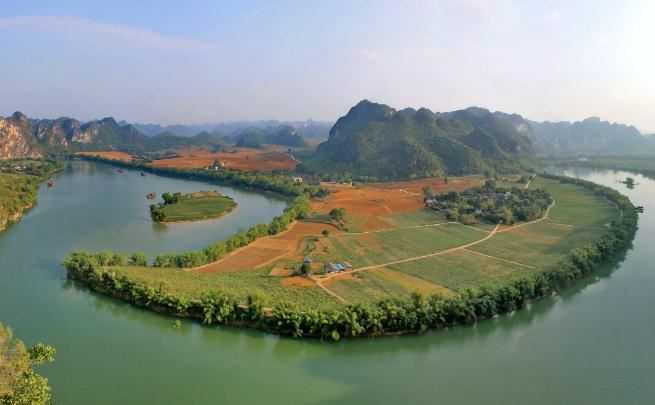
(591,136)
(284,135)
(376,141)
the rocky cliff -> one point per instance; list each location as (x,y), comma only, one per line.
(16,139)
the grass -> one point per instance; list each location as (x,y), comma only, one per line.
(383,283)
(198,206)
(422,217)
(239,284)
(389,245)
(576,206)
(460,270)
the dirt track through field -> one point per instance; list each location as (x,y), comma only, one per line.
(319,281)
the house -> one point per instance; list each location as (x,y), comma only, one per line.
(216,166)
(331,268)
(336,267)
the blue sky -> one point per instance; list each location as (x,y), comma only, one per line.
(207,61)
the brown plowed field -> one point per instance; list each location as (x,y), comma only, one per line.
(122,156)
(244,159)
(268,249)
(371,203)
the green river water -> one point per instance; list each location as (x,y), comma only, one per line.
(594,344)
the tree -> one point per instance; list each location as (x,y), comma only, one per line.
(338,214)
(138,259)
(325,233)
(428,192)
(305,268)
(168,198)
(41,353)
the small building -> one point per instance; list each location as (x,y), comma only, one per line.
(336,267)
(297,180)
(216,166)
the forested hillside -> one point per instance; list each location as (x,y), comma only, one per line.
(591,136)
(375,141)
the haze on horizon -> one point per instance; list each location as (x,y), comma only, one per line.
(158,61)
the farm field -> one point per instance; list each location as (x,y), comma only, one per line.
(266,159)
(393,244)
(395,247)
(111,155)
(259,282)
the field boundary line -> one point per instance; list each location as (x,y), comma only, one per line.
(398,229)
(499,259)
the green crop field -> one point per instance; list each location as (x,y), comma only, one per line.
(461,269)
(396,244)
(198,206)
(383,283)
(238,284)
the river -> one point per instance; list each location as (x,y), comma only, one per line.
(591,345)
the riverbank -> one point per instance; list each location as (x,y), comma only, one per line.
(389,316)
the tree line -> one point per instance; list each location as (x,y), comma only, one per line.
(390,316)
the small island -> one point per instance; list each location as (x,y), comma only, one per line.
(178,207)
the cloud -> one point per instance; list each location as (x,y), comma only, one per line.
(123,34)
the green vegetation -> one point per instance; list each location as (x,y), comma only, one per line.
(254,137)
(191,207)
(19,384)
(449,297)
(422,143)
(490,204)
(394,244)
(19,183)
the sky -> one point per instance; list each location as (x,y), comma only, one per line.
(199,61)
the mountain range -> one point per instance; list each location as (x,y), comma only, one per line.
(371,140)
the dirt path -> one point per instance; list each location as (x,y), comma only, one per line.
(320,285)
(415,258)
(319,281)
(527,185)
